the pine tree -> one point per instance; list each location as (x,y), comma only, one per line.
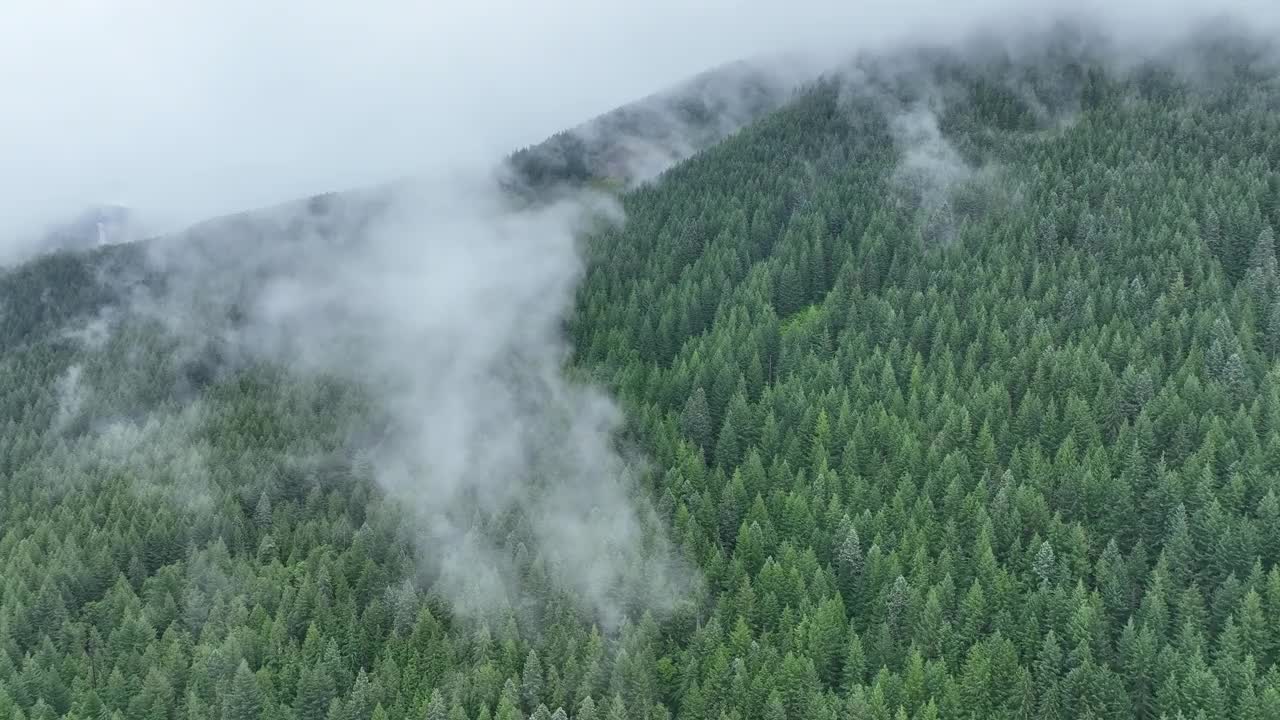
(897,603)
(262,512)
(617,709)
(314,694)
(531,681)
(1045,565)
(696,420)
(436,708)
(1212,232)
(849,565)
(728,452)
(1262,267)
(363,698)
(243,700)
(1271,327)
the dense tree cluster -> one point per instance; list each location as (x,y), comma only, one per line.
(1012,453)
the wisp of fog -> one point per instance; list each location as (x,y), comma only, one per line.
(449,313)
(446,306)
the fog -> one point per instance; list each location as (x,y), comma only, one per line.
(187,110)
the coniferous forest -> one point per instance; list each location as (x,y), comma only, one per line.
(956,376)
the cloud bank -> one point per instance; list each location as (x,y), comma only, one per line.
(187,110)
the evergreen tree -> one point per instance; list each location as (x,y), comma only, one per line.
(243,700)
(696,420)
(531,680)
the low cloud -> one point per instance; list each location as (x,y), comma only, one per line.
(182,111)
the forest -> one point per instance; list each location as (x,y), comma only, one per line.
(956,376)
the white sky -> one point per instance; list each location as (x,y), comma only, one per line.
(187,108)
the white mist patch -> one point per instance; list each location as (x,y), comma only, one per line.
(929,165)
(448,309)
(71,397)
(163,445)
(93,333)
(161,454)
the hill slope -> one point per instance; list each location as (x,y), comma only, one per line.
(956,376)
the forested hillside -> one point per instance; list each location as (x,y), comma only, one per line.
(957,381)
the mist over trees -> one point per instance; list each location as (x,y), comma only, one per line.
(954,379)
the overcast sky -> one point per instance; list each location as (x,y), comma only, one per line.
(196,107)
